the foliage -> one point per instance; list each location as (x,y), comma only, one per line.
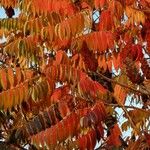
(65,69)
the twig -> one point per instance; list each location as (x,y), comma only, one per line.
(130,119)
(132,107)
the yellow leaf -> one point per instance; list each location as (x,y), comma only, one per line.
(134,16)
(34,94)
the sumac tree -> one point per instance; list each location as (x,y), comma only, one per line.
(67,66)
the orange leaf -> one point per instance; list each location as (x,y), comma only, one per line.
(3,79)
(16,97)
(18,75)
(10,74)
(61,58)
(129,2)
(10,98)
(106,20)
(1,100)
(5,100)
(99,3)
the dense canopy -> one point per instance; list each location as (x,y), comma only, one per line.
(75,74)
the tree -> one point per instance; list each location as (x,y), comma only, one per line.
(66,67)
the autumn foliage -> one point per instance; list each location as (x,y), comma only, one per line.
(75,74)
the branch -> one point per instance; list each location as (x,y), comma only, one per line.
(124,107)
(121,84)
(130,119)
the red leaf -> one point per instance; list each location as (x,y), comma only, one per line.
(136,52)
(88,57)
(91,138)
(87,141)
(114,139)
(147,138)
(106,20)
(61,131)
(82,143)
(72,121)
(90,87)
(59,93)
(96,115)
(99,89)
(53,134)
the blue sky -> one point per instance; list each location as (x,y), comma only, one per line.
(3,15)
